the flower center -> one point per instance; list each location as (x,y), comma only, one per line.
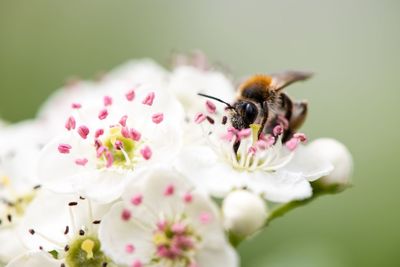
(175,241)
(12,205)
(85,252)
(117,150)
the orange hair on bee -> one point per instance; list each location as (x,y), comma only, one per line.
(258,80)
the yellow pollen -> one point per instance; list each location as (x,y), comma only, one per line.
(88,246)
(160,239)
(4,180)
(255,128)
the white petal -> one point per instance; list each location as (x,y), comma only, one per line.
(49,214)
(59,172)
(224,256)
(310,164)
(115,234)
(35,259)
(203,167)
(279,186)
(186,82)
(11,245)
(155,182)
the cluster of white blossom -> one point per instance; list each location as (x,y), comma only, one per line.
(138,170)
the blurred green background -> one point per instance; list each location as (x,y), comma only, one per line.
(353,46)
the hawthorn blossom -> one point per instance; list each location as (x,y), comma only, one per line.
(61,230)
(165,222)
(108,139)
(233,159)
(20,145)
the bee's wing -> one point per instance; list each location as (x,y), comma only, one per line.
(281,80)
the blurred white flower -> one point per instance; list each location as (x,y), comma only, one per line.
(165,223)
(106,140)
(339,156)
(244,212)
(280,172)
(65,228)
(20,145)
(186,82)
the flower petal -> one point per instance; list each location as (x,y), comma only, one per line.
(311,165)
(34,259)
(280,186)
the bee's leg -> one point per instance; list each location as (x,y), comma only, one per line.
(265,117)
(300,110)
(287,106)
(298,117)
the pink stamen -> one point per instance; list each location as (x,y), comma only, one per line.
(123,119)
(188,197)
(148,100)
(146,153)
(178,228)
(169,190)
(81,162)
(301,136)
(199,118)
(135,135)
(137,263)
(107,100)
(129,248)
(193,264)
(211,108)
(244,133)
(125,132)
(83,131)
(103,114)
(76,105)
(130,95)
(137,199)
(100,151)
(292,144)
(126,215)
(262,144)
(157,118)
(109,158)
(118,145)
(70,123)
(161,225)
(64,148)
(252,150)
(205,217)
(278,130)
(98,133)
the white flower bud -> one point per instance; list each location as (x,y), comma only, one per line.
(339,156)
(244,212)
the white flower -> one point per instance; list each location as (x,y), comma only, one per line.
(340,157)
(127,76)
(20,145)
(165,223)
(65,228)
(244,212)
(236,159)
(110,138)
(186,82)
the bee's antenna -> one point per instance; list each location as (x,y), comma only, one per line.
(217,99)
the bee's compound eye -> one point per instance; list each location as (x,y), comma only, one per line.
(250,112)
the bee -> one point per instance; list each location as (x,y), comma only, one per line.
(261,100)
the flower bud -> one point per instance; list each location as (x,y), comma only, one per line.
(244,212)
(339,156)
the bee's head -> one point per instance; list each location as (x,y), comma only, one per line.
(243,114)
